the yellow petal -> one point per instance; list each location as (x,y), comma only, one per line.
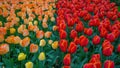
(41,56)
(29,65)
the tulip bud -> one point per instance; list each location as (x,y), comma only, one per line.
(33,48)
(42,56)
(1,38)
(79,27)
(63,34)
(72,48)
(83,41)
(55,45)
(67,60)
(109,64)
(4,48)
(12,30)
(21,56)
(63,45)
(73,34)
(42,42)
(88,65)
(39,34)
(96,40)
(118,48)
(29,65)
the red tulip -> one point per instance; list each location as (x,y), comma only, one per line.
(63,45)
(83,41)
(66,67)
(67,60)
(110,37)
(109,64)
(85,49)
(107,51)
(62,26)
(118,48)
(76,40)
(63,34)
(96,40)
(88,31)
(87,17)
(79,27)
(96,56)
(89,65)
(72,48)
(73,34)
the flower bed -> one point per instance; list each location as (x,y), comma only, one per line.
(59,34)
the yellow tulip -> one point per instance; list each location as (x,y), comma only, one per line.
(50,41)
(12,30)
(29,65)
(21,56)
(30,23)
(42,42)
(41,56)
(52,19)
(35,22)
(55,45)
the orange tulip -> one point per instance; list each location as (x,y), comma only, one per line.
(39,34)
(25,42)
(4,48)
(1,37)
(33,48)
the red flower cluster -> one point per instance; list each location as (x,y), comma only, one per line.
(94,62)
(76,17)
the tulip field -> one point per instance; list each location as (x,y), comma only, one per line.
(59,34)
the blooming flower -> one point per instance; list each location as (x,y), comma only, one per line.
(42,56)
(25,42)
(109,64)
(42,42)
(67,60)
(21,56)
(55,45)
(72,48)
(33,48)
(29,65)
(12,30)
(4,48)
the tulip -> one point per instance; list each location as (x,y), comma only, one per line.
(110,37)
(88,31)
(73,34)
(63,45)
(50,42)
(55,45)
(42,42)
(12,30)
(72,48)
(35,22)
(96,40)
(1,38)
(76,40)
(21,56)
(109,64)
(4,48)
(79,27)
(25,32)
(66,67)
(107,51)
(29,65)
(39,34)
(118,48)
(88,65)
(41,56)
(83,41)
(63,34)
(62,26)
(85,49)
(33,48)
(3,30)
(25,42)
(48,34)
(67,60)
